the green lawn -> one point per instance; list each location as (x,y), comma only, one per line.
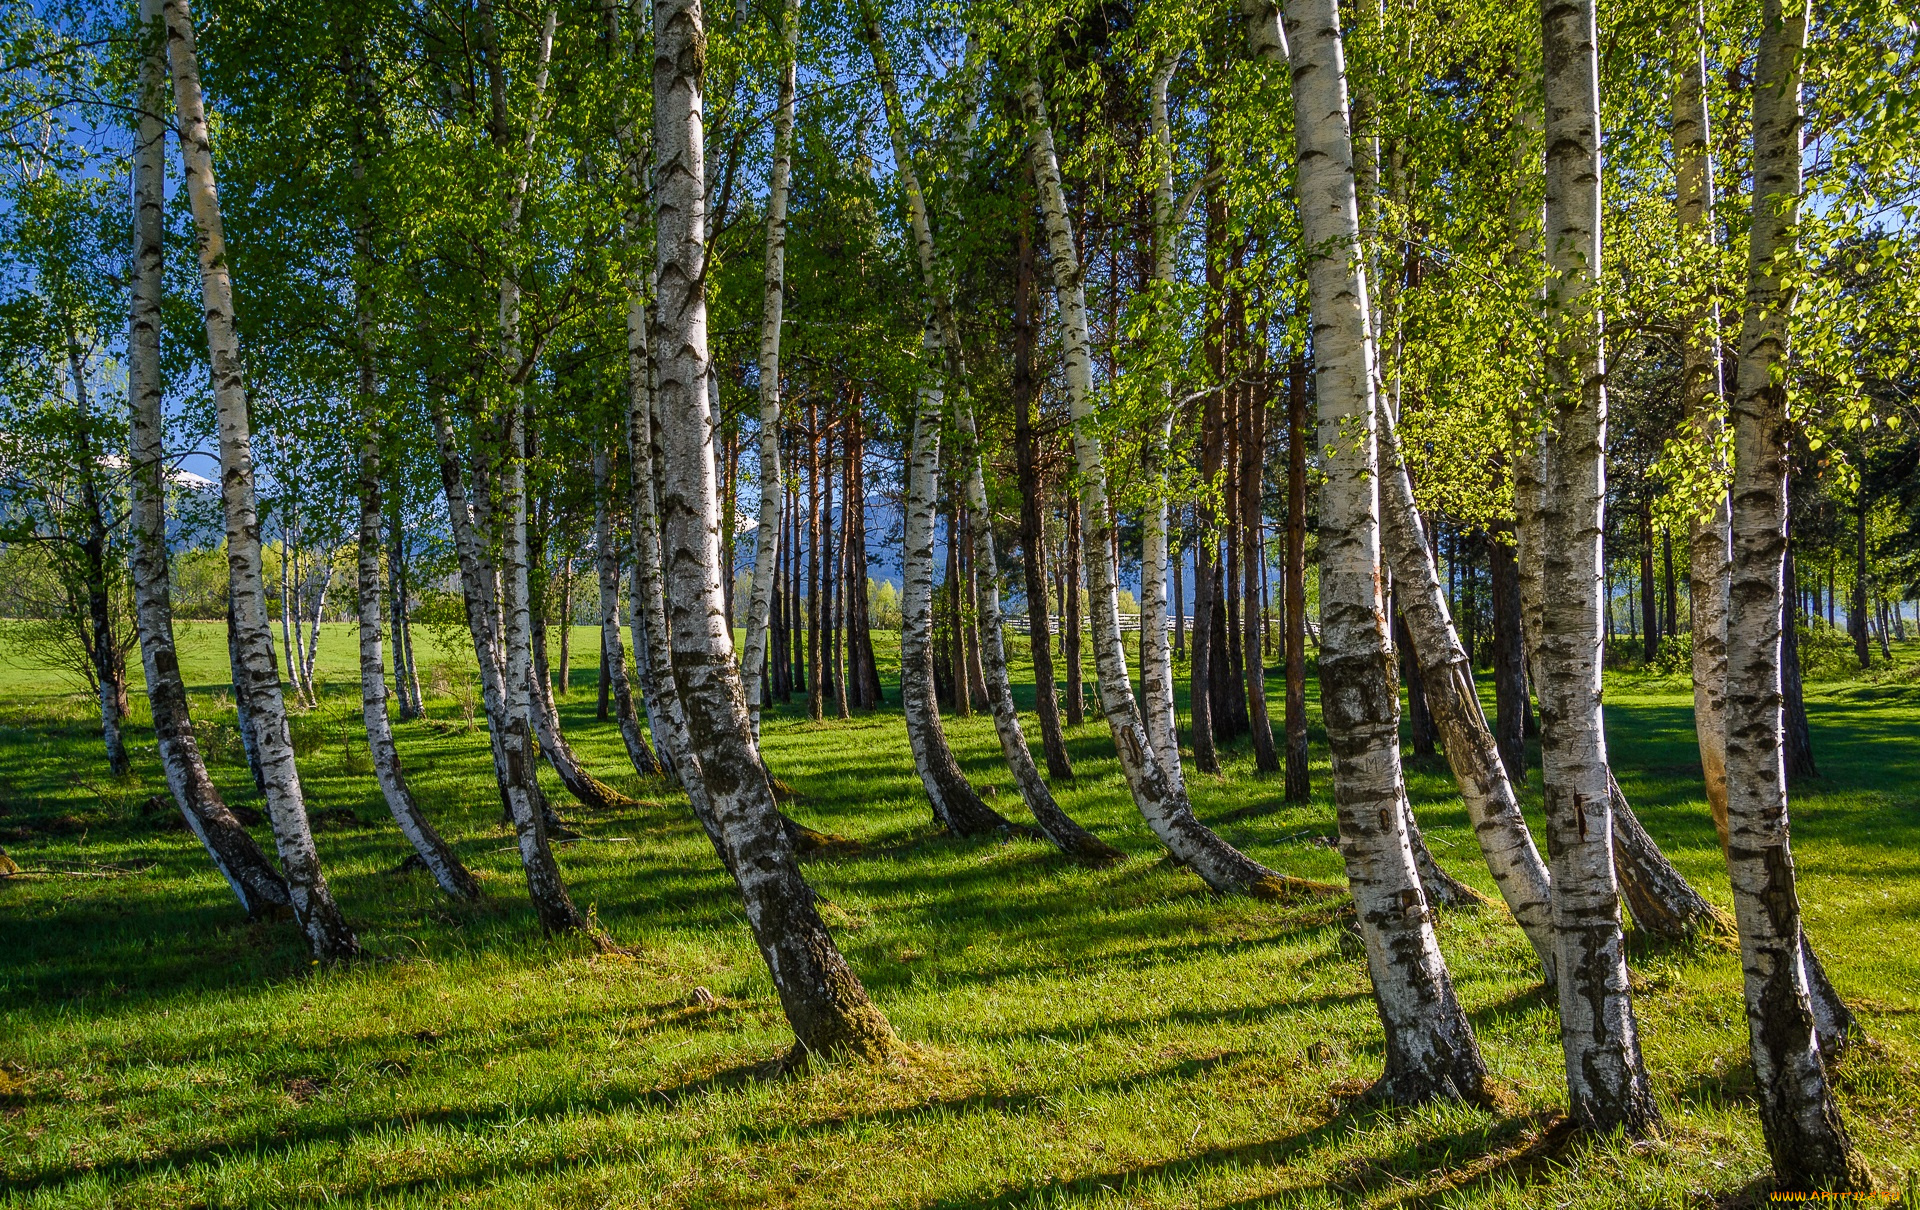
(1115,1037)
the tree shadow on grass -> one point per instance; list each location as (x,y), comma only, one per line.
(285,1138)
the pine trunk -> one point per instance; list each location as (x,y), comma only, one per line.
(1070,622)
(1299,788)
(1253,433)
(328,935)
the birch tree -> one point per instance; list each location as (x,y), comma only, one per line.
(824,1001)
(766,538)
(1607,1083)
(1431,1049)
(328,935)
(1799,1116)
(258,886)
(612,650)
(1161,802)
(1709,566)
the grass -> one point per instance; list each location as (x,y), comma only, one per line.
(1079,1037)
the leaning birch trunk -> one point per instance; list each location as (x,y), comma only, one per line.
(828,1009)
(1607,1084)
(955,804)
(612,651)
(480,593)
(1431,1051)
(1710,566)
(551,901)
(255,882)
(766,538)
(1156,660)
(954,801)
(1059,827)
(434,852)
(1799,1117)
(561,758)
(1492,806)
(1163,804)
(478,584)
(328,935)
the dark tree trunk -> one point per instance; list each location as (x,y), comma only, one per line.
(1070,628)
(961,699)
(1419,718)
(1670,620)
(816,683)
(1200,672)
(1230,705)
(1857,601)
(1509,659)
(1298,788)
(1179,592)
(1032,533)
(1253,439)
(1649,604)
(862,637)
(1799,736)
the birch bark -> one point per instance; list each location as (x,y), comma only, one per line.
(438,856)
(1156,660)
(1492,806)
(480,593)
(1709,537)
(328,935)
(1806,1139)
(1607,1082)
(1163,804)
(825,1003)
(258,886)
(964,812)
(767,534)
(612,651)
(1431,1049)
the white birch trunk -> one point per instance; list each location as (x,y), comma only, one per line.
(1162,803)
(255,882)
(1709,538)
(1492,805)
(955,803)
(1799,1116)
(607,564)
(434,852)
(1431,1049)
(1607,1083)
(766,538)
(1156,659)
(824,1001)
(965,813)
(328,935)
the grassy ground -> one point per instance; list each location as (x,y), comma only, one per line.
(1113,1037)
